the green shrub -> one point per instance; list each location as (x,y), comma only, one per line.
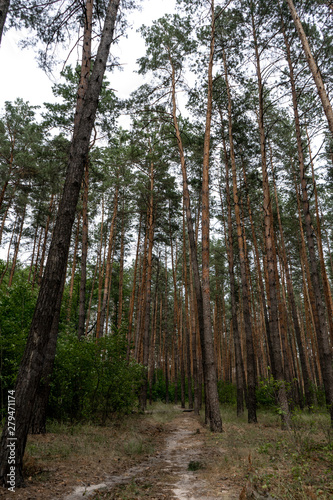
(266,393)
(227,392)
(17,305)
(92,378)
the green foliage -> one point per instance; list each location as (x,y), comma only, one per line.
(93,379)
(16,309)
(266,393)
(227,392)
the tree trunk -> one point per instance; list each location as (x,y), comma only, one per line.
(38,419)
(325,351)
(251,372)
(233,293)
(46,232)
(145,337)
(166,344)
(32,362)
(187,322)
(85,72)
(132,300)
(108,270)
(214,415)
(71,286)
(313,66)
(17,246)
(4,6)
(84,254)
(291,297)
(326,285)
(121,265)
(269,241)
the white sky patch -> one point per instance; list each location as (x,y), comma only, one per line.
(23,78)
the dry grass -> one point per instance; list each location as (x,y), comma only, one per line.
(75,455)
(295,465)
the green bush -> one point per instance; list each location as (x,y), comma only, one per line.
(17,305)
(227,392)
(266,393)
(92,379)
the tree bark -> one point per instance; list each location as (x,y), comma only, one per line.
(121,265)
(146,327)
(84,254)
(4,6)
(325,351)
(269,241)
(214,415)
(85,72)
(16,246)
(234,319)
(108,270)
(312,65)
(32,362)
(251,371)
(291,297)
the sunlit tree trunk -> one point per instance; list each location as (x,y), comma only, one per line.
(325,351)
(312,65)
(121,265)
(108,269)
(146,324)
(132,299)
(71,285)
(84,254)
(269,242)
(234,319)
(251,372)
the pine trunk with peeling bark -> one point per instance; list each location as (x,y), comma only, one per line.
(250,365)
(234,319)
(212,401)
(31,367)
(108,269)
(269,242)
(84,254)
(147,313)
(132,300)
(325,351)
(121,265)
(312,65)
(291,298)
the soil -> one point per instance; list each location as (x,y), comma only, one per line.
(178,469)
(176,472)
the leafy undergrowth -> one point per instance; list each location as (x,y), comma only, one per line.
(295,464)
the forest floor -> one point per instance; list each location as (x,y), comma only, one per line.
(169,454)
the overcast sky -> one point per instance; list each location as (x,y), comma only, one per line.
(21,76)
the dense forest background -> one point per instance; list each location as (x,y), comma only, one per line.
(241,158)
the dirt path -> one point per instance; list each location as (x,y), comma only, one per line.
(178,471)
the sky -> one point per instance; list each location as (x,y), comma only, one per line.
(22,77)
